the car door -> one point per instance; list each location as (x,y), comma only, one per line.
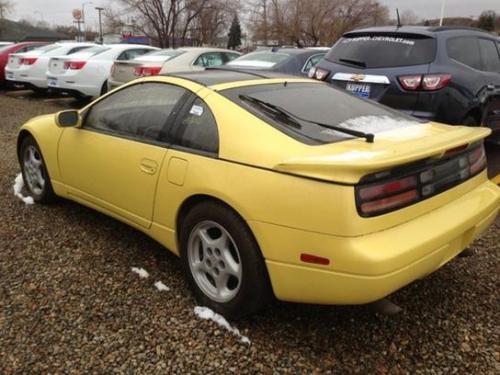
(490,65)
(112,161)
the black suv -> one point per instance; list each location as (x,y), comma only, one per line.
(445,74)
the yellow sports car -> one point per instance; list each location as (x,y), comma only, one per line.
(269,186)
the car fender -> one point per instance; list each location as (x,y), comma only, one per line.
(46,134)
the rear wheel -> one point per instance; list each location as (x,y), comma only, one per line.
(104,88)
(222,261)
(34,172)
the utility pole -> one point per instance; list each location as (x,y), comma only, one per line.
(79,26)
(443,4)
(99,9)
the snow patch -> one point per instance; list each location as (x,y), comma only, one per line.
(143,274)
(18,187)
(374,124)
(161,287)
(207,314)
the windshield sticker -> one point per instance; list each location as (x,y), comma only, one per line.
(388,39)
(196,110)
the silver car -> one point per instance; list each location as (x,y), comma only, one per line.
(168,61)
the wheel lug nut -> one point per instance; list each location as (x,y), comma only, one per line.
(222,265)
(217,252)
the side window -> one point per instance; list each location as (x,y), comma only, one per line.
(209,59)
(489,56)
(312,61)
(230,57)
(464,50)
(197,128)
(140,111)
(27,48)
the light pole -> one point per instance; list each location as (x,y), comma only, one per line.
(99,9)
(83,17)
(443,4)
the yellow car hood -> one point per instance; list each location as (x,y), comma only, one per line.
(348,161)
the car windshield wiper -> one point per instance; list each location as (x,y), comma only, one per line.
(291,116)
(274,109)
(354,62)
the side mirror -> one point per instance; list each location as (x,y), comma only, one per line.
(68,119)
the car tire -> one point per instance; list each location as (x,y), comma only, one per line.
(470,121)
(34,171)
(222,261)
(104,88)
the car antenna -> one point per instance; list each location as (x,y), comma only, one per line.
(399,19)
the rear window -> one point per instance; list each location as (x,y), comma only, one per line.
(92,51)
(321,103)
(46,48)
(381,51)
(260,59)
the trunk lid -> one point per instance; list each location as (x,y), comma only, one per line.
(56,65)
(123,71)
(14,61)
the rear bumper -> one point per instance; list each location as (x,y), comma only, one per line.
(114,84)
(72,85)
(366,268)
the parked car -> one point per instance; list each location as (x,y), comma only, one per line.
(296,61)
(86,73)
(269,185)
(169,61)
(445,74)
(11,48)
(29,69)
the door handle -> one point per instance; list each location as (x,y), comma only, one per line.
(148,166)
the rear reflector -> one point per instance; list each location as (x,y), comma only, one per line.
(314,259)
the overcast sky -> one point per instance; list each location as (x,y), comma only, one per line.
(59,11)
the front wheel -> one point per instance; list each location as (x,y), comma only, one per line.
(34,172)
(222,261)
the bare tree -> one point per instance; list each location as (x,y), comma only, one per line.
(5,8)
(409,17)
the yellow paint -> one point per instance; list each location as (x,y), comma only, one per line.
(260,174)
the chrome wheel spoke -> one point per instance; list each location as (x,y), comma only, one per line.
(214,261)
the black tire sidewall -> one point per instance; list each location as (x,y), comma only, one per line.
(47,194)
(254,292)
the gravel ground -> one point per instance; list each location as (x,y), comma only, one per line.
(69,302)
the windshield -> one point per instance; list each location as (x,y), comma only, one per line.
(319,103)
(380,51)
(260,59)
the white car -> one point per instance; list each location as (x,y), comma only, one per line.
(29,69)
(169,61)
(85,73)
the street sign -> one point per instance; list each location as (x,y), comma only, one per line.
(77,14)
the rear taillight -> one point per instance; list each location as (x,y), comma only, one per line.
(378,194)
(318,73)
(28,60)
(113,67)
(146,71)
(74,65)
(428,82)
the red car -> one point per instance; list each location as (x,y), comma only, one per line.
(5,51)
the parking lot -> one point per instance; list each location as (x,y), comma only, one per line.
(68,299)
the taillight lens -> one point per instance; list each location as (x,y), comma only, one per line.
(410,82)
(318,73)
(146,71)
(387,196)
(432,82)
(28,60)
(74,65)
(378,194)
(428,82)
